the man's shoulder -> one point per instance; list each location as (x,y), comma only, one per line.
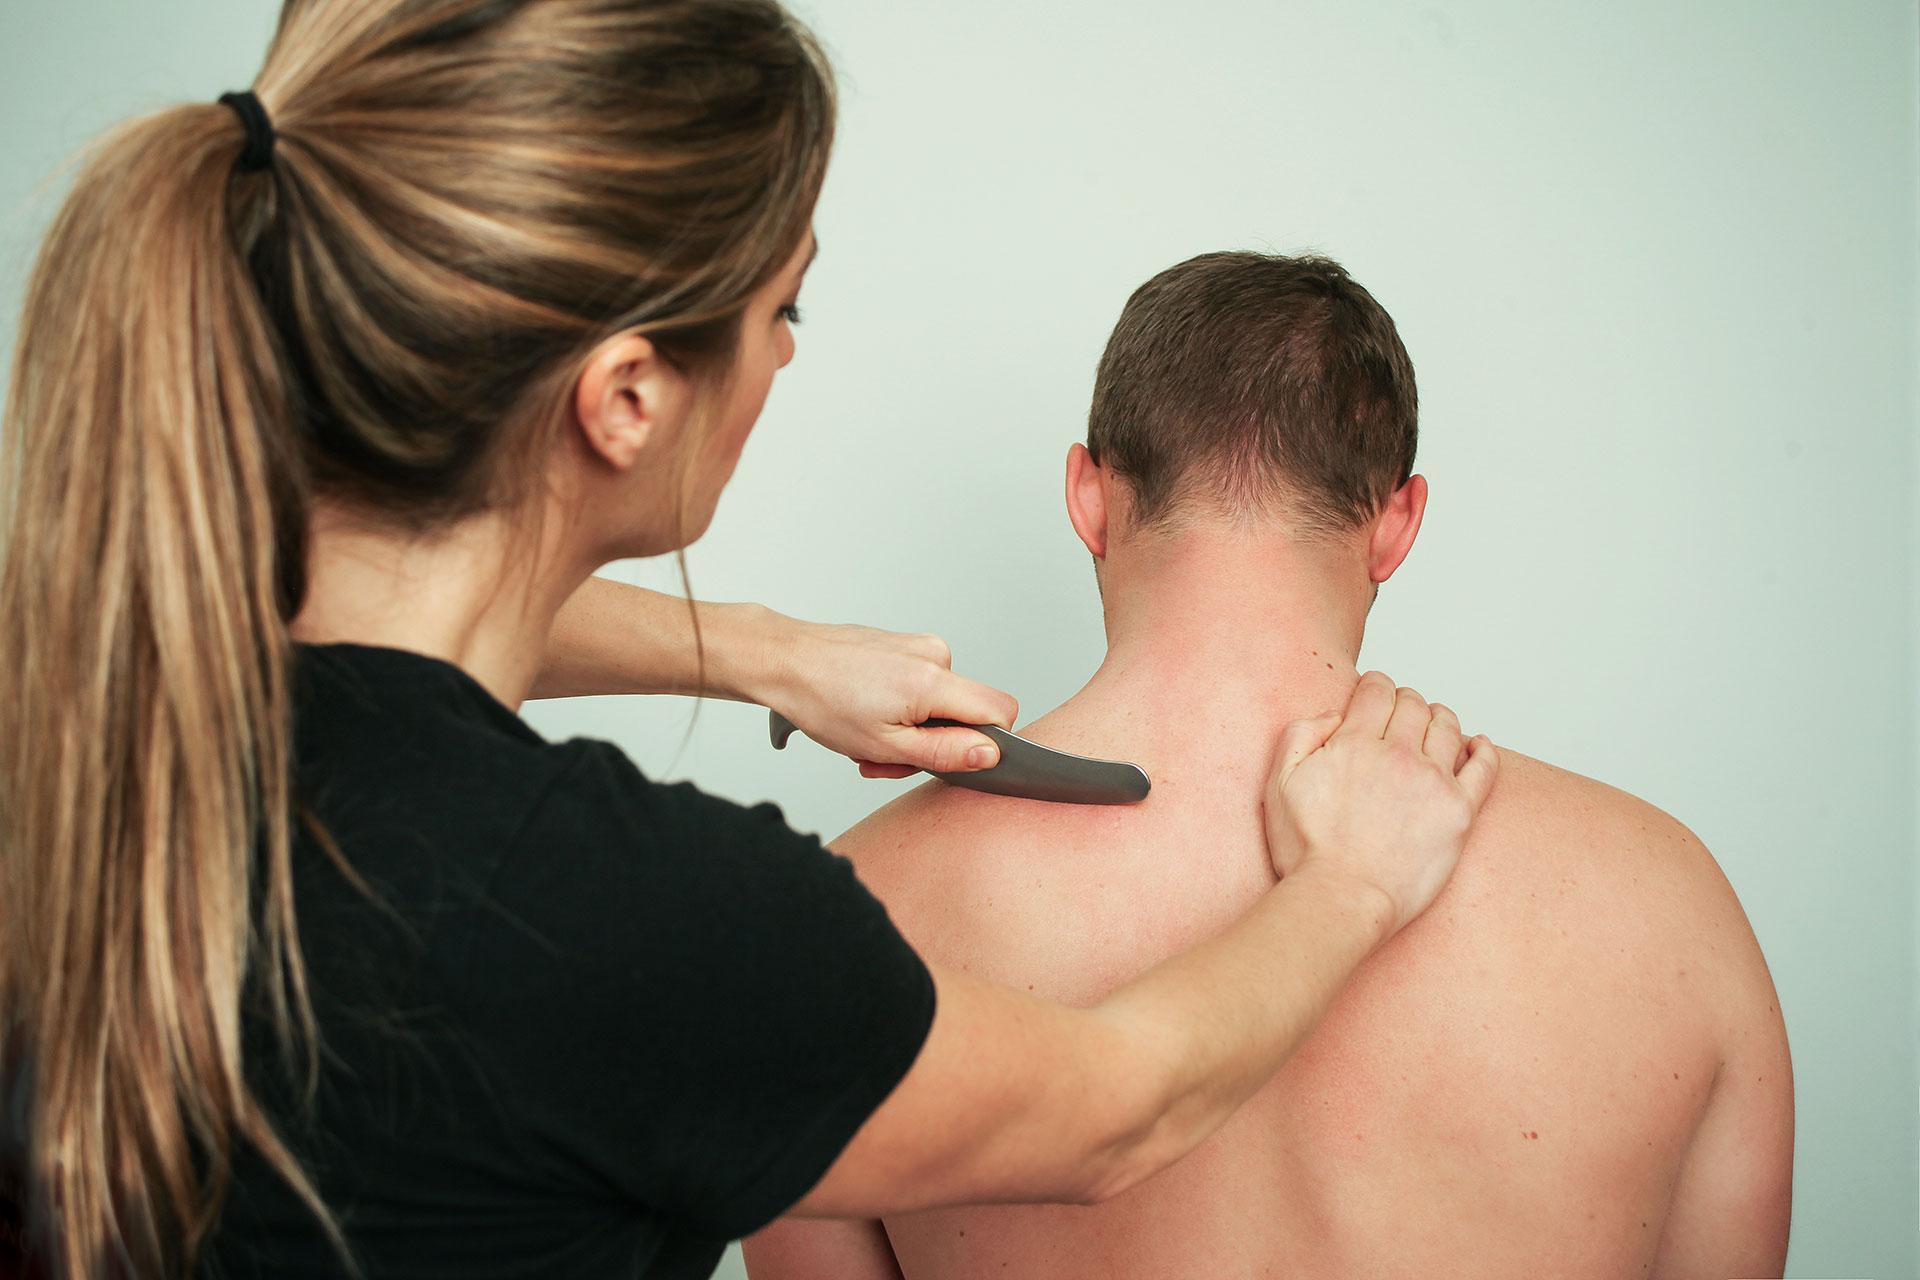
(1652,880)
(930,837)
(919,843)
(1543,806)
(1611,856)
(1010,890)
(1560,864)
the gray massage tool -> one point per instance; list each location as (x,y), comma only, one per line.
(1029,770)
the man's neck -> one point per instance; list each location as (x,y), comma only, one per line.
(1223,627)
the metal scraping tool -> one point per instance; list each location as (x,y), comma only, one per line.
(1029,770)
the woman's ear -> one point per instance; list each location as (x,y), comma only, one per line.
(1395,528)
(1087,499)
(628,398)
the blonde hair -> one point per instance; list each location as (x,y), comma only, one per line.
(466,197)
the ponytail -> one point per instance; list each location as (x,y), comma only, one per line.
(465,198)
(153,503)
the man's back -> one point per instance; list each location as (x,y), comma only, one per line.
(1571,1065)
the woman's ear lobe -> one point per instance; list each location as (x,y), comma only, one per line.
(1087,499)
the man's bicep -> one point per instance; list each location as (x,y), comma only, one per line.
(821,1249)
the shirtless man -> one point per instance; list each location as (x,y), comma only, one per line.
(1573,1065)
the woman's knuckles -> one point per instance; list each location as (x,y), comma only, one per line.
(933,648)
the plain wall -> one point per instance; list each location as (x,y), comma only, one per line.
(1655,264)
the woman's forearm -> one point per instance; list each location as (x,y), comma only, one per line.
(614,638)
(861,692)
(1154,1069)
(1015,1098)
(1210,1026)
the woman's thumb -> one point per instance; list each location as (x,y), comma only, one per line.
(949,749)
(1301,738)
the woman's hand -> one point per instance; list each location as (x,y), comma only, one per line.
(864,693)
(860,691)
(1381,798)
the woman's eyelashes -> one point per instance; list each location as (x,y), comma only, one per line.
(790,313)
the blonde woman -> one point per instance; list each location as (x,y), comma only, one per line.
(316,959)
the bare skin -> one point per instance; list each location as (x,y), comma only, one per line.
(1572,1065)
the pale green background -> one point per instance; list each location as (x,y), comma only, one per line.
(1655,262)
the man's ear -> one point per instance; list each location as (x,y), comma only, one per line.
(1087,499)
(1395,528)
(627,399)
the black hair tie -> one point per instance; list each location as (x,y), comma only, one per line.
(260,135)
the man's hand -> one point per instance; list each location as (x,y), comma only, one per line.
(1382,798)
(864,693)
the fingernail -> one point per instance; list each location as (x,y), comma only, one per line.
(980,757)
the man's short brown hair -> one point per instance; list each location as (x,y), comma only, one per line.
(1253,384)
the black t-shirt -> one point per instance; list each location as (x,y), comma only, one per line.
(577,1023)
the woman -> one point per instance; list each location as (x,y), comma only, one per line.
(328,401)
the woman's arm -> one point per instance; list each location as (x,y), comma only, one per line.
(1014,1098)
(820,1249)
(1017,1099)
(856,690)
(614,638)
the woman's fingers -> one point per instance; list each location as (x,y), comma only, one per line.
(868,769)
(1369,709)
(944,749)
(1410,720)
(1443,741)
(1301,738)
(970,702)
(1382,804)
(948,749)
(1482,767)
(865,693)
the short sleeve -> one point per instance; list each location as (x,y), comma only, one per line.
(694,1005)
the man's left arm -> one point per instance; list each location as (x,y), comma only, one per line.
(821,1249)
(1731,1206)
